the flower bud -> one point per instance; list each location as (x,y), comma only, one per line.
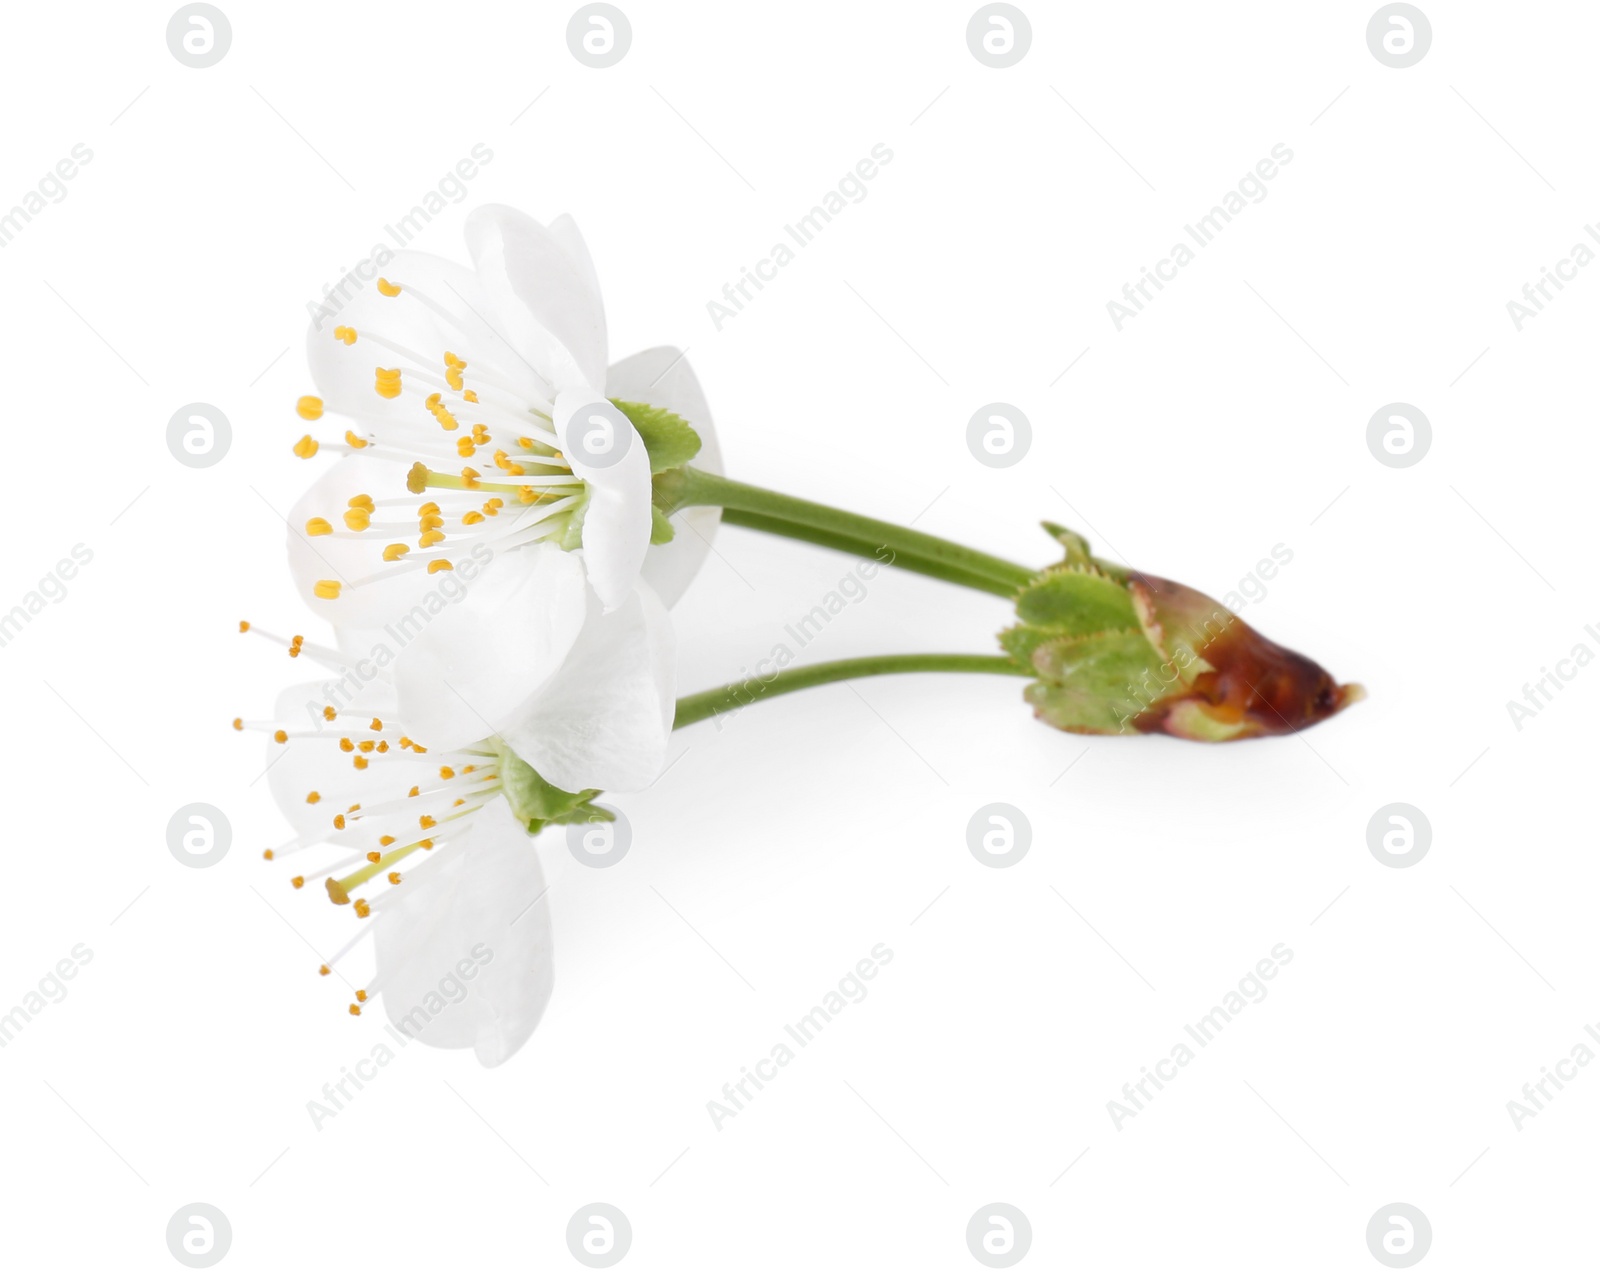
(1120,651)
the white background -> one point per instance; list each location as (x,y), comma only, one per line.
(1224,420)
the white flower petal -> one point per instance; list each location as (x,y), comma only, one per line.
(605,721)
(565,232)
(464,948)
(662,377)
(543,300)
(344,374)
(616,524)
(478,664)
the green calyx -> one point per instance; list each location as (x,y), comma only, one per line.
(536,803)
(1079,631)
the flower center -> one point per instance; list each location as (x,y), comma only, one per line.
(520,490)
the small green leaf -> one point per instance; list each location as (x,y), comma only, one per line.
(1077,601)
(1077,547)
(671,441)
(1020,642)
(661,530)
(1095,683)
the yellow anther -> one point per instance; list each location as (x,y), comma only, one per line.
(361,995)
(280,736)
(395,551)
(309,408)
(363,501)
(394,876)
(354,1009)
(299,881)
(450,360)
(452,377)
(357,518)
(374,857)
(345,334)
(244,625)
(446,772)
(328,713)
(471,518)
(383,748)
(324,970)
(429,538)
(465,448)
(387,383)
(429,509)
(365,746)
(387,288)
(386,840)
(360,761)
(426,822)
(326,590)
(527,495)
(238,724)
(471,395)
(266,854)
(306,447)
(346,745)
(433,568)
(430,521)
(354,442)
(525,442)
(318,526)
(376,726)
(313,797)
(338,821)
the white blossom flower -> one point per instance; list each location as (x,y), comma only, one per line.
(430,849)
(461,387)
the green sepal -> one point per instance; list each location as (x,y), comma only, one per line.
(661,530)
(537,803)
(1076,600)
(582,814)
(669,438)
(1090,683)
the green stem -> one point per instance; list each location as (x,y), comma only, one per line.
(695,707)
(861,547)
(793,518)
